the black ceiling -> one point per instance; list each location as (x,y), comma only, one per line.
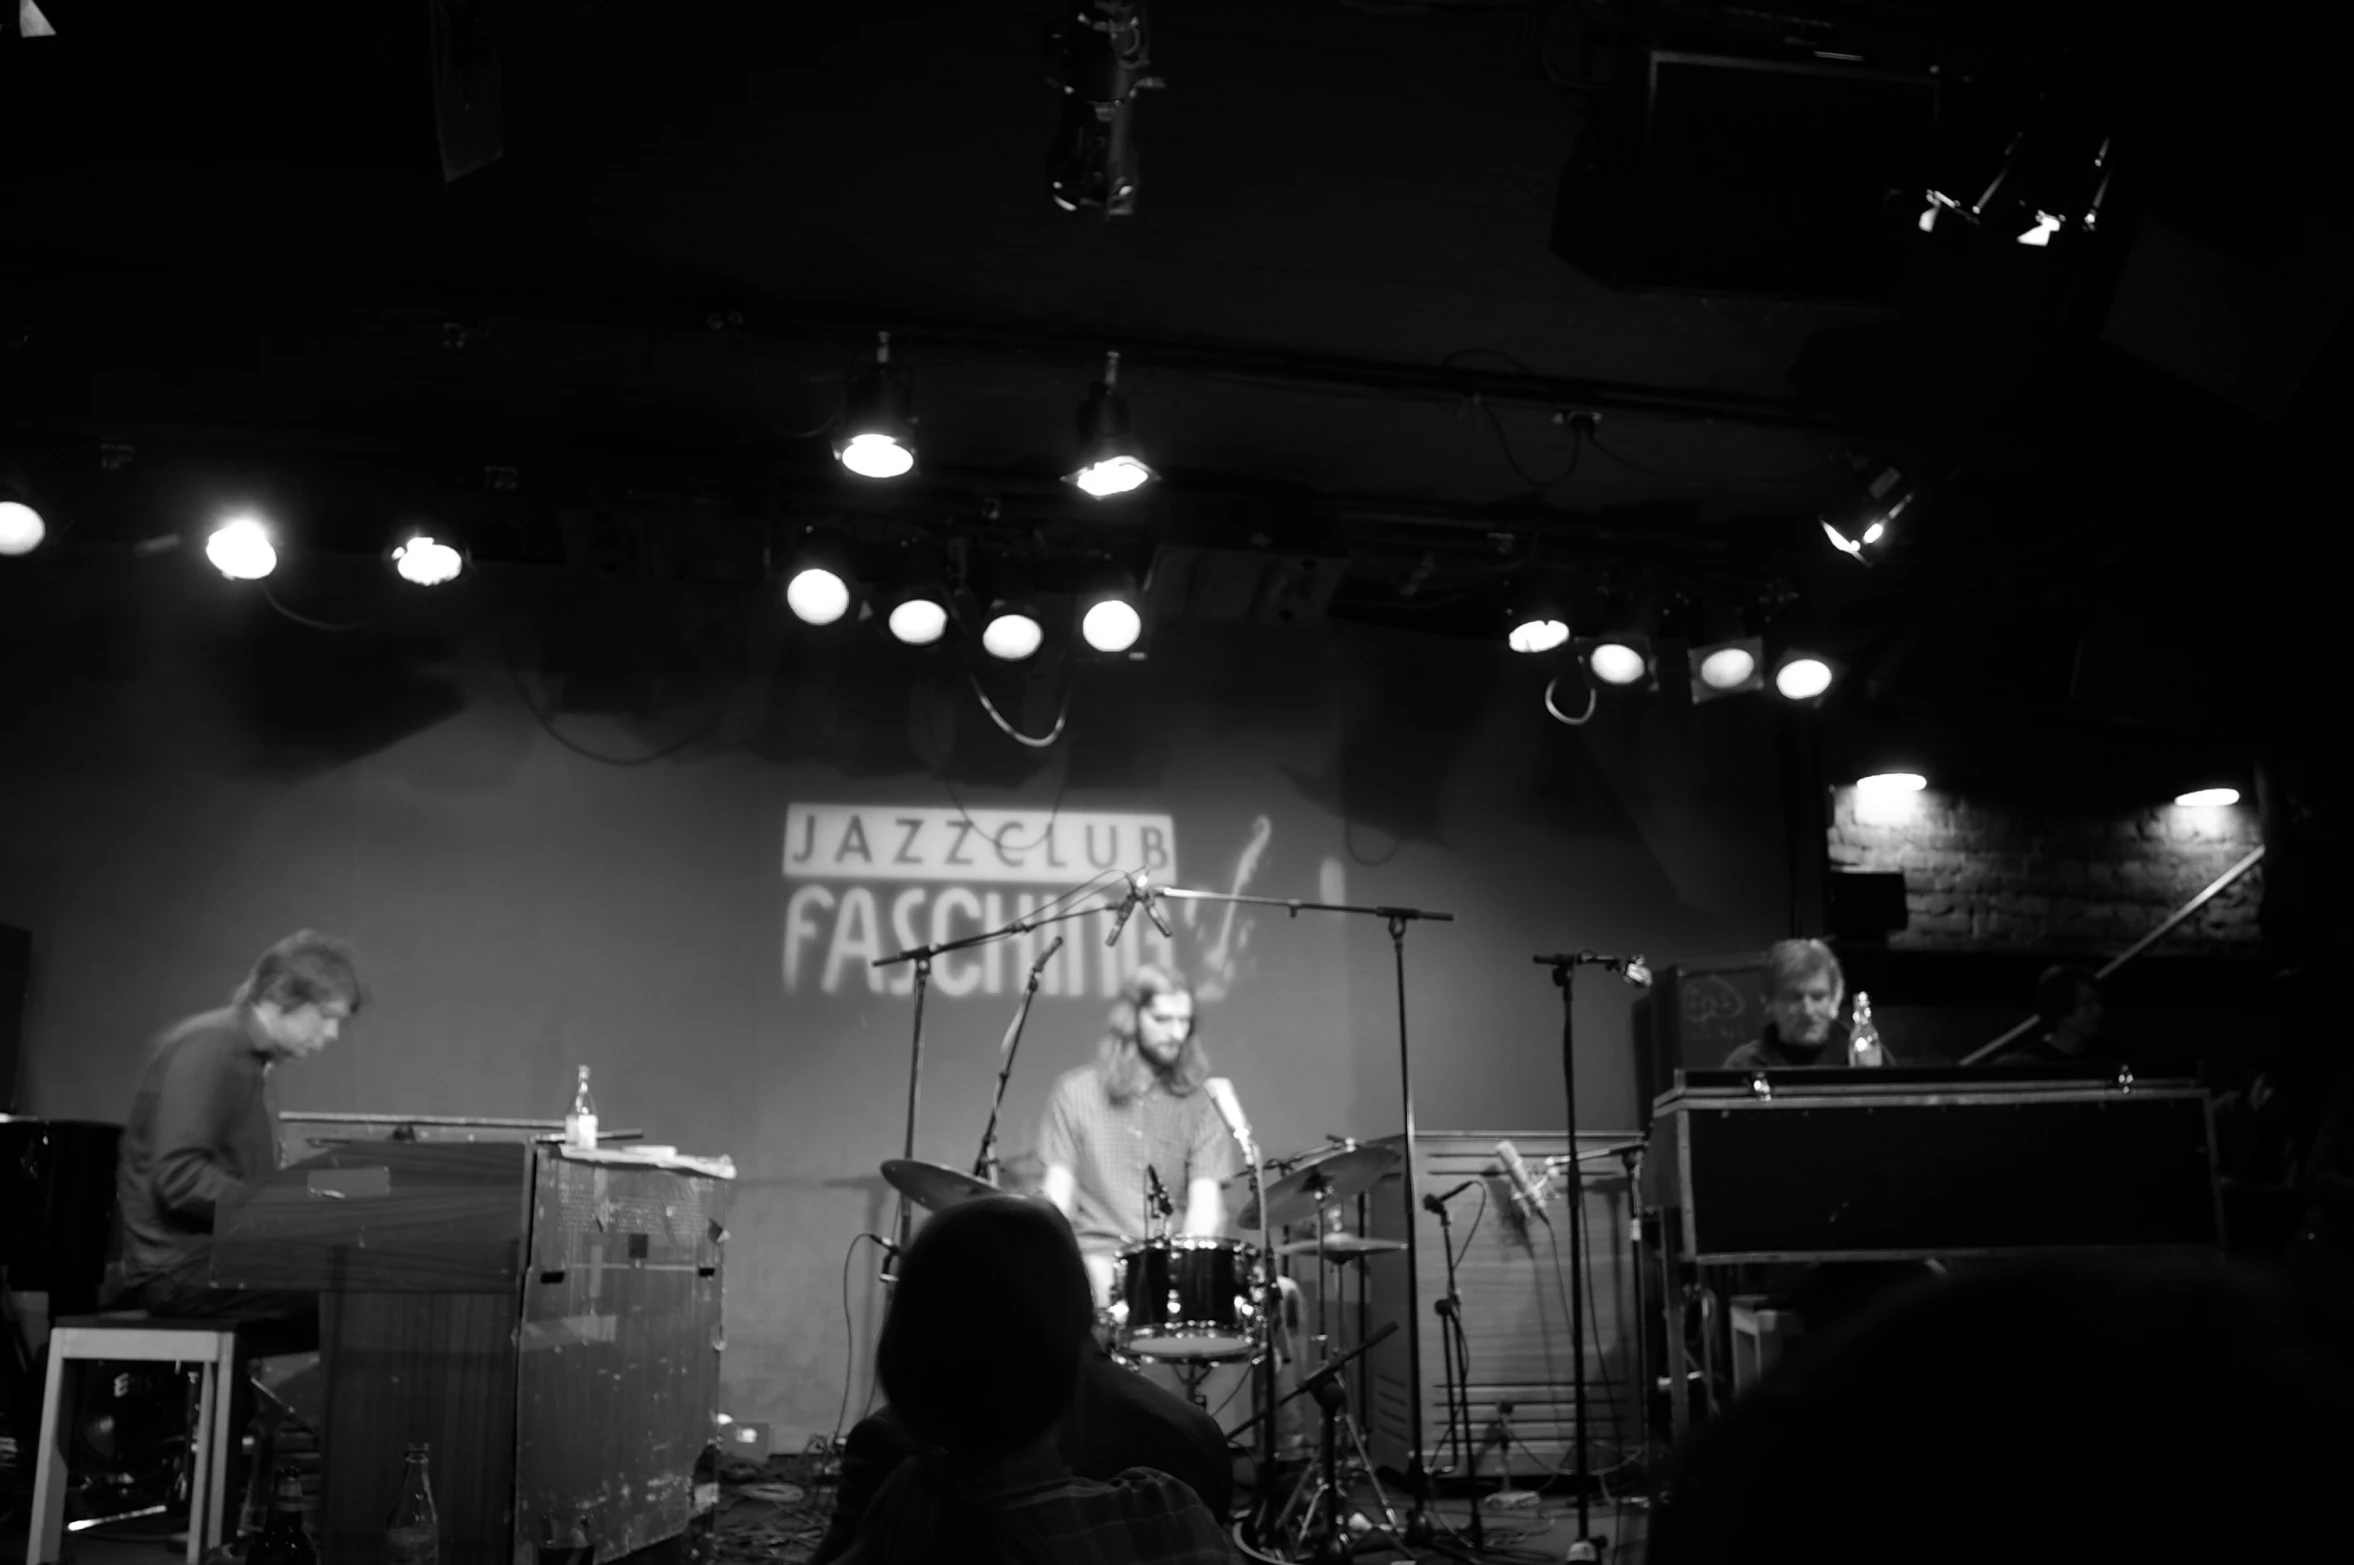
(1344,330)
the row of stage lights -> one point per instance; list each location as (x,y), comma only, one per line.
(1626,660)
(1886,788)
(874,437)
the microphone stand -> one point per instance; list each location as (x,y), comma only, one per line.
(985,1165)
(1584,1546)
(1420,1528)
(922,957)
(1456,1346)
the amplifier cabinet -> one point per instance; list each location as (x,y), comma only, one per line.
(1514,1277)
(1859,1172)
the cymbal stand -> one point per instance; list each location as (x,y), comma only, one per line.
(1332,1399)
(1420,1528)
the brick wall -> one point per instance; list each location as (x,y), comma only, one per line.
(1985,875)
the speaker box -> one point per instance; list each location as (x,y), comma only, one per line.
(1713,173)
(1695,1014)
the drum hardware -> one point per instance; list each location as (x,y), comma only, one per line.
(1188,1300)
(1303,1193)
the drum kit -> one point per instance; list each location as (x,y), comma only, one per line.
(1192,1304)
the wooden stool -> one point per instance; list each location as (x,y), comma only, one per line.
(1759,1336)
(132,1336)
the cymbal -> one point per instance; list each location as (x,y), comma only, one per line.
(1342,1177)
(932,1187)
(1342,1247)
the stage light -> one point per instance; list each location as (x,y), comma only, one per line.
(1803,677)
(819,582)
(426,560)
(918,621)
(2040,234)
(1537,620)
(21,528)
(1103,52)
(1860,529)
(240,549)
(1111,625)
(1109,463)
(2208,798)
(1726,668)
(875,436)
(1012,632)
(1620,660)
(1884,785)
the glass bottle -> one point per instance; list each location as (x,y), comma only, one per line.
(412,1534)
(1863,1039)
(580,1122)
(284,1540)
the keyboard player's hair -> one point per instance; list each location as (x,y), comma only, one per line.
(305,968)
(1790,962)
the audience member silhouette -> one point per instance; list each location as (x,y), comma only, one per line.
(2060,1411)
(981,1356)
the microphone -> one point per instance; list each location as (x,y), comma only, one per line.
(1433,1204)
(1160,1194)
(1120,919)
(1047,956)
(1524,1187)
(1229,1107)
(1152,907)
(1633,969)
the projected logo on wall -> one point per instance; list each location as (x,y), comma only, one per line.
(871,879)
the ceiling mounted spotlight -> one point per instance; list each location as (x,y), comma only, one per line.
(1537,620)
(426,561)
(22,526)
(915,586)
(875,436)
(2208,798)
(240,549)
(1619,662)
(820,583)
(1861,530)
(1727,668)
(1803,678)
(1101,51)
(1109,463)
(1889,784)
(1010,627)
(1111,615)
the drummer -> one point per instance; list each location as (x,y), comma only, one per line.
(1133,1120)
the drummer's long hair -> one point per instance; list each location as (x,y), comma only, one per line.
(1126,1072)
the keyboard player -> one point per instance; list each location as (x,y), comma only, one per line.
(204,1122)
(1804,988)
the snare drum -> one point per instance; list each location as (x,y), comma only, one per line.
(1186,1299)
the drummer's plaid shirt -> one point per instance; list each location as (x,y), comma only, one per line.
(1107,1146)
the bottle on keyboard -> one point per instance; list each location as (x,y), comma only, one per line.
(580,1122)
(1863,1039)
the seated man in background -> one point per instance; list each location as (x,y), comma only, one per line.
(2203,1416)
(2068,1006)
(1803,991)
(982,1357)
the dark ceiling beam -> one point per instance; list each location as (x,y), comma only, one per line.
(850,333)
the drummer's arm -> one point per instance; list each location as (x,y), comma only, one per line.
(1061,1186)
(1205,1207)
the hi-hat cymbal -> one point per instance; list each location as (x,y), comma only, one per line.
(932,1187)
(1341,1177)
(1342,1247)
